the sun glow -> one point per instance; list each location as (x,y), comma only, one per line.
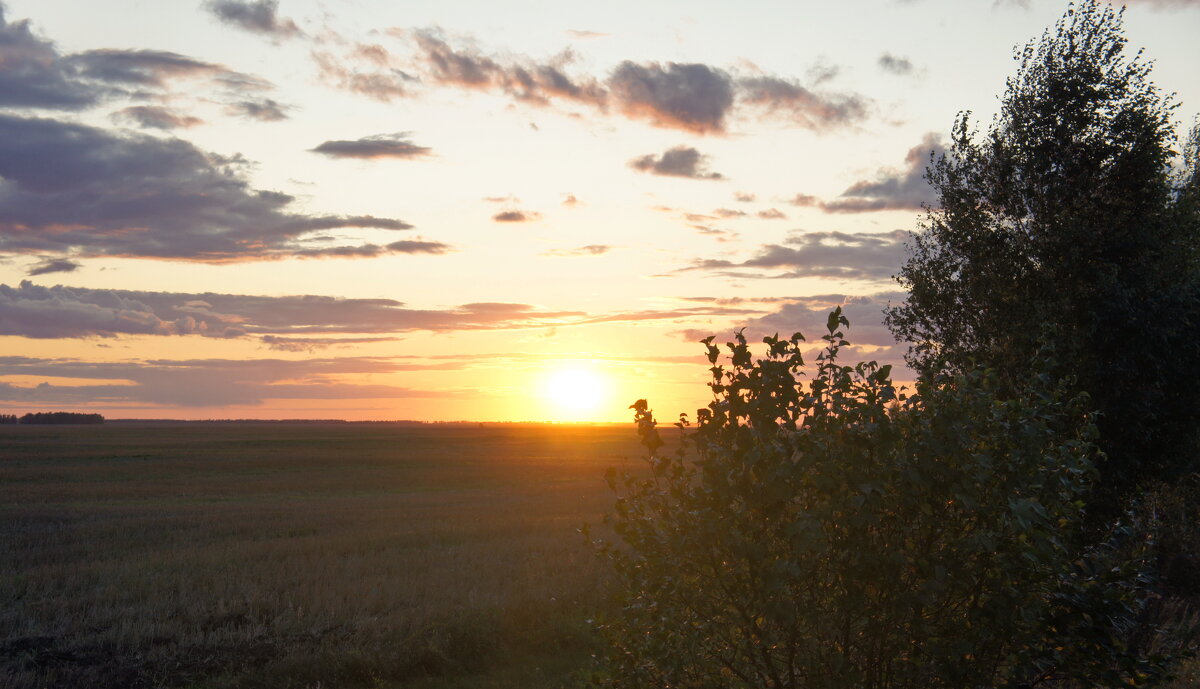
(576,393)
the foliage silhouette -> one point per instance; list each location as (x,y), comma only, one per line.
(841,533)
(1065,221)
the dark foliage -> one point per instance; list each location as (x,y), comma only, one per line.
(61,418)
(1065,222)
(842,534)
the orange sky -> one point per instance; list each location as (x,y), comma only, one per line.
(467,210)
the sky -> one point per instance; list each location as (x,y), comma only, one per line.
(484,211)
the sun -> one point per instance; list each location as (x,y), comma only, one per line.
(576,392)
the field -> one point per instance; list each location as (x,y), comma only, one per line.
(300,555)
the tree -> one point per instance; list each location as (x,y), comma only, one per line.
(842,534)
(1065,221)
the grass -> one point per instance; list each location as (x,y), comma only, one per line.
(315,555)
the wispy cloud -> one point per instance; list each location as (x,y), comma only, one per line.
(52,265)
(156,117)
(835,255)
(589,250)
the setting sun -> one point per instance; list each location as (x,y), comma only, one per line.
(575,393)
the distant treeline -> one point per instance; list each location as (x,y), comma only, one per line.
(52,417)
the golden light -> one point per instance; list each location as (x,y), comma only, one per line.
(575,393)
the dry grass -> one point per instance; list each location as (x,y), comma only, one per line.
(299,555)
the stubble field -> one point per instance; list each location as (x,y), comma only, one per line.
(300,555)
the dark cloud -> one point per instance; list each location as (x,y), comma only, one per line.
(772,214)
(69,187)
(681,161)
(904,189)
(262,109)
(693,97)
(835,255)
(395,145)
(33,74)
(140,68)
(589,250)
(818,111)
(516,216)
(156,117)
(52,265)
(259,17)
(895,65)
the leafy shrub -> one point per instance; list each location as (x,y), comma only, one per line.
(838,533)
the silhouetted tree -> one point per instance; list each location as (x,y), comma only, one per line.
(1065,222)
(836,534)
(61,418)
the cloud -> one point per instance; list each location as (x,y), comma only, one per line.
(52,265)
(834,255)
(140,68)
(310,344)
(1167,4)
(589,250)
(809,109)
(366,72)
(804,200)
(574,33)
(33,75)
(867,332)
(693,97)
(35,311)
(262,109)
(728,213)
(744,197)
(525,80)
(681,161)
(893,189)
(74,188)
(516,216)
(156,117)
(570,201)
(395,145)
(198,383)
(258,17)
(896,65)
(772,214)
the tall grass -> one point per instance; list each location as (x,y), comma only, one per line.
(299,556)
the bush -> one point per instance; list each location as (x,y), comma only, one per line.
(842,534)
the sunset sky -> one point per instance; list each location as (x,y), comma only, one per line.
(442,210)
